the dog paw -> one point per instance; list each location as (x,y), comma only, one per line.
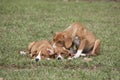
(82,55)
(79,55)
(70,58)
(22,52)
(76,56)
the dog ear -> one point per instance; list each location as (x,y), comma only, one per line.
(67,41)
(50,52)
(56,35)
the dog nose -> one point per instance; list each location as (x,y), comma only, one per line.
(36,59)
(59,58)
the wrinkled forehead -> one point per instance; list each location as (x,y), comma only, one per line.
(43,50)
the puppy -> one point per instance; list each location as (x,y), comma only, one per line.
(40,50)
(87,40)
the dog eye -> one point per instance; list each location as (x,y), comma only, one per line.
(62,53)
(55,55)
(60,42)
(43,55)
(34,55)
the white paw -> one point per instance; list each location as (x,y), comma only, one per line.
(22,52)
(82,54)
(70,58)
(76,56)
(79,52)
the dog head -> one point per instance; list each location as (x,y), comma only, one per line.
(62,53)
(40,50)
(62,40)
(44,53)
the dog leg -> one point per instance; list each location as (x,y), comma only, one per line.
(96,48)
(80,49)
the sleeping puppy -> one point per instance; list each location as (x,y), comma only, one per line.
(62,53)
(40,50)
(88,41)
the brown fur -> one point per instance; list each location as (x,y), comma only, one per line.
(63,52)
(35,47)
(87,38)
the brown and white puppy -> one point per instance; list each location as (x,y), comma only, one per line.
(40,50)
(88,41)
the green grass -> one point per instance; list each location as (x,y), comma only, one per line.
(23,21)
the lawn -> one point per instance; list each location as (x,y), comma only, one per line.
(24,21)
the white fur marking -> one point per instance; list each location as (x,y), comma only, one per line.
(38,56)
(79,52)
(54,45)
(59,56)
(82,54)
